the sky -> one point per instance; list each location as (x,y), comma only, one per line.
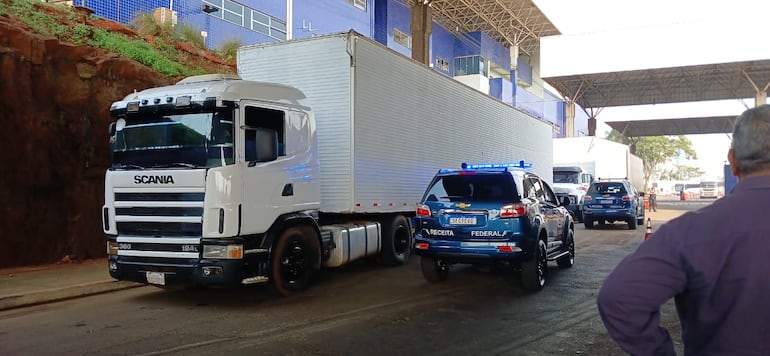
(619,35)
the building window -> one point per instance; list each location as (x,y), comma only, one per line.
(471,65)
(234,13)
(361,4)
(228,11)
(402,38)
(268,25)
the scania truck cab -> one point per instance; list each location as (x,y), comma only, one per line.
(214,181)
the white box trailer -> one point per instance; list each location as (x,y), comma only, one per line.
(315,156)
(387,123)
(600,157)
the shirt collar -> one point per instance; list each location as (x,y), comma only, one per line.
(755,182)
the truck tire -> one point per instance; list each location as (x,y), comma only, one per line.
(535,271)
(568,260)
(434,270)
(396,241)
(294,259)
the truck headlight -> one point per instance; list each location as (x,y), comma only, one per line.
(223,251)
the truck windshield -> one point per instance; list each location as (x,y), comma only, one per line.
(566,177)
(193,140)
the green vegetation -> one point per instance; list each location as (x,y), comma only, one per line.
(655,151)
(147,25)
(229,49)
(138,50)
(680,172)
(191,34)
(161,55)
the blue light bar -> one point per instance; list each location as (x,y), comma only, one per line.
(519,164)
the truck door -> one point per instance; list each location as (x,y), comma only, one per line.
(265,192)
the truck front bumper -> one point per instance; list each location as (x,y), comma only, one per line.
(177,272)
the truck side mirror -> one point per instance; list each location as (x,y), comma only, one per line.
(564,201)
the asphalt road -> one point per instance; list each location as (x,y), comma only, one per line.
(359,310)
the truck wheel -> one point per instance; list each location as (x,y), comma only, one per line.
(589,223)
(396,241)
(632,223)
(568,260)
(295,257)
(534,271)
(434,270)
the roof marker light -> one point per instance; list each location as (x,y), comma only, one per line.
(132,106)
(519,164)
(183,101)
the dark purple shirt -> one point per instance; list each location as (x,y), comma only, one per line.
(715,263)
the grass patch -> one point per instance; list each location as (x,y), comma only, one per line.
(161,55)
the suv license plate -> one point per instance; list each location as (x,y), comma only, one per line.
(462,220)
(605,201)
(156,278)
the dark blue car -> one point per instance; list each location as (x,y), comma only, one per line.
(493,215)
(610,201)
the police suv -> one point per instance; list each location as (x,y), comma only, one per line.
(498,215)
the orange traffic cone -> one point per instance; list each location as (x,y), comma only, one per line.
(648,233)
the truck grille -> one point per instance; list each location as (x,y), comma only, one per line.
(159,214)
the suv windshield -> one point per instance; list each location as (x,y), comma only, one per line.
(195,139)
(472,187)
(607,188)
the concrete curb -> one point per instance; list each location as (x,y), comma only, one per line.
(58,294)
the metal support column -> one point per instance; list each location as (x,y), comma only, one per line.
(760,98)
(421,28)
(592,126)
(569,118)
(760,95)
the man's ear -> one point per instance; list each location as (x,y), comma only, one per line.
(733,163)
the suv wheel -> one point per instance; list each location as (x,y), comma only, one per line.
(534,271)
(632,223)
(568,260)
(434,270)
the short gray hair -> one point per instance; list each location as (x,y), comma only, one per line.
(751,139)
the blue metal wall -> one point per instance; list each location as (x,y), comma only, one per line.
(381,17)
(442,50)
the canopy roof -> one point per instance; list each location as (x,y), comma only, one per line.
(510,22)
(719,81)
(683,126)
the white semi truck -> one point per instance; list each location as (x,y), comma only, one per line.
(578,161)
(314,156)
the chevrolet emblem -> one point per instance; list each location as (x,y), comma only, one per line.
(463,205)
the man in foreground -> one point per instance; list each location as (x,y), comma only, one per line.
(714,263)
